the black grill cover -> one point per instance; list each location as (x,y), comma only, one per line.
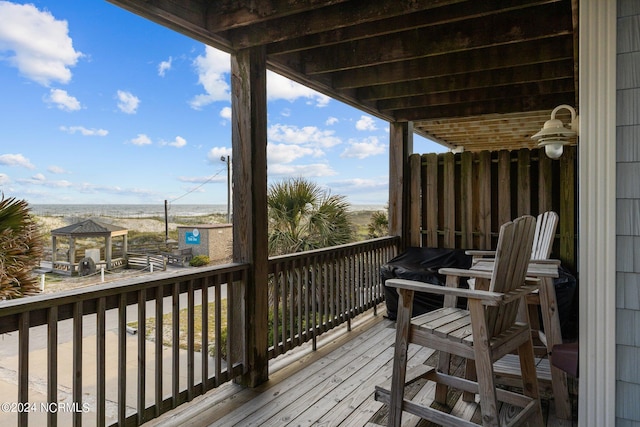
(422,264)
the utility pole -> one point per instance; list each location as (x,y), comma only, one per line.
(227,160)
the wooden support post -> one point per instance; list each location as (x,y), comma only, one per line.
(400,147)
(249,156)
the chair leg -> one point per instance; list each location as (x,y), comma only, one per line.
(470,374)
(444,362)
(403,326)
(484,366)
(530,379)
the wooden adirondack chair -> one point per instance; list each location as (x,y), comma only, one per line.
(546,225)
(484,333)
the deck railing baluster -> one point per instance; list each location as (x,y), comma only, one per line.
(77,362)
(52,363)
(101,359)
(159,309)
(142,353)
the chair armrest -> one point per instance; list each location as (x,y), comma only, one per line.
(461,272)
(487,298)
(476,253)
(546,261)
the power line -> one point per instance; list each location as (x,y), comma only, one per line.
(195,188)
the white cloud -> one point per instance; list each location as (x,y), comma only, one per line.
(164,66)
(212,69)
(84,131)
(365,148)
(63,100)
(286,153)
(40,179)
(225,113)
(179,142)
(16,160)
(366,123)
(41,46)
(307,135)
(310,170)
(56,169)
(361,184)
(141,140)
(279,87)
(331,121)
(216,153)
(127,102)
(4,179)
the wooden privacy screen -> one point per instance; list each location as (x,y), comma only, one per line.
(460,200)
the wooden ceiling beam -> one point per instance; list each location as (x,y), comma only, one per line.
(334,22)
(185,17)
(318,31)
(527,103)
(511,75)
(477,33)
(493,58)
(480,95)
(222,15)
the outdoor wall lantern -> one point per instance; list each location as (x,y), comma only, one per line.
(554,136)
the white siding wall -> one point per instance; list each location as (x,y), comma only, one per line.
(628,215)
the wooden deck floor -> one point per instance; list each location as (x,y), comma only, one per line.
(332,386)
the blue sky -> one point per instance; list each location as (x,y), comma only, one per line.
(101,106)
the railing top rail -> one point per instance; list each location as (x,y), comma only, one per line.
(129,285)
(378,242)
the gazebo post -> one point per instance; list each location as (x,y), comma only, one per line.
(107,251)
(72,254)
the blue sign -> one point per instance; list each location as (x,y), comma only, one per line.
(192,237)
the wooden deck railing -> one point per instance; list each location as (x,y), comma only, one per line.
(146,377)
(124,353)
(315,291)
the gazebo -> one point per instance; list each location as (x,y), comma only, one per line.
(86,229)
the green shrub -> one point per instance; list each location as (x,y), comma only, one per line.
(199,261)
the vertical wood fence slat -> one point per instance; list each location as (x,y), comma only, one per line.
(449,200)
(415,164)
(466,199)
(484,200)
(524,182)
(504,186)
(568,207)
(545,182)
(430,200)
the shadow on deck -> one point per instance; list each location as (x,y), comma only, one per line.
(332,386)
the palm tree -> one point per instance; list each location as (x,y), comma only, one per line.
(303,216)
(20,249)
(378,225)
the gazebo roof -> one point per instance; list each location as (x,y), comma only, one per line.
(89,228)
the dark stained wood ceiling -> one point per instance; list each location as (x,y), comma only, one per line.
(482,74)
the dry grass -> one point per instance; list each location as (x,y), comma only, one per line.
(167,326)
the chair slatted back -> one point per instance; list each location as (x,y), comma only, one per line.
(545,233)
(511,262)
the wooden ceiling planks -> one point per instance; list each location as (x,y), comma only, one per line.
(477,74)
